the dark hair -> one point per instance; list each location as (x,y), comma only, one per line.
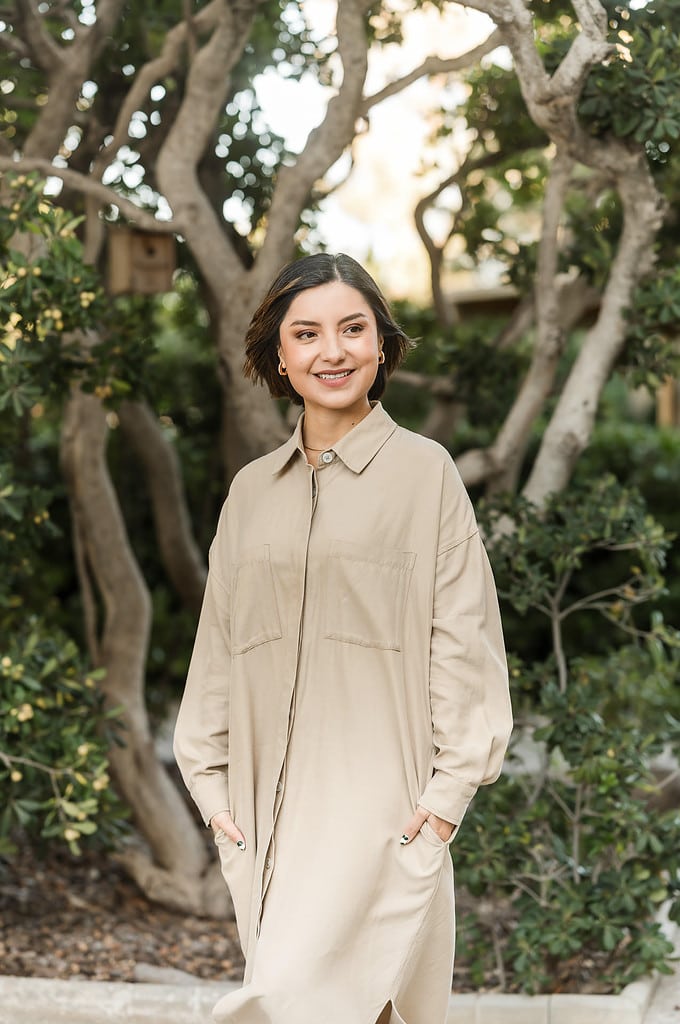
(262,337)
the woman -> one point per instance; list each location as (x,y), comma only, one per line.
(348,691)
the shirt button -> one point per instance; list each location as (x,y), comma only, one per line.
(268,864)
(327,457)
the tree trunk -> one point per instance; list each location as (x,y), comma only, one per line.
(175,870)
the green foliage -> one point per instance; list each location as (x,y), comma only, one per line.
(652,352)
(484,375)
(635,93)
(59,326)
(54,729)
(569,853)
(54,736)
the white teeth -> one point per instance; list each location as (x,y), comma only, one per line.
(333,376)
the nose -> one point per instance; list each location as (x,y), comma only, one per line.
(332,348)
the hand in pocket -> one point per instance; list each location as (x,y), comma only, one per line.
(223,822)
(444,829)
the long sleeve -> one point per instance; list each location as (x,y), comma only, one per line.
(201,740)
(469,693)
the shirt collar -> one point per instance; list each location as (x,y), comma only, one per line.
(355,449)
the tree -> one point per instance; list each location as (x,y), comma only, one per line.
(603,121)
(139,112)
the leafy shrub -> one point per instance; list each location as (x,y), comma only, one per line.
(54,736)
(568,862)
(54,729)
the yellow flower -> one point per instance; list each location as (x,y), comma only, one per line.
(37,271)
(21,272)
(6,662)
(13,216)
(16,775)
(101,783)
(90,683)
(71,834)
(25,713)
(83,750)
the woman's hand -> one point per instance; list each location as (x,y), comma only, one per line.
(223,822)
(444,829)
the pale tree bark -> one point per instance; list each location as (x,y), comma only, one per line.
(179,551)
(179,873)
(510,444)
(571,426)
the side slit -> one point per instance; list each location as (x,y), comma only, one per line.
(385,1014)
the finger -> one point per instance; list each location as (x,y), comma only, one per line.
(441,826)
(225,822)
(414,826)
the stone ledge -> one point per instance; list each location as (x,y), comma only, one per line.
(626,1008)
(51,1001)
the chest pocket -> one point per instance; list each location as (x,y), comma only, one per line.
(255,613)
(365,594)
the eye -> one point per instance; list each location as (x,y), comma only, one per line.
(354,329)
(305,335)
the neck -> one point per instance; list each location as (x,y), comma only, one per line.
(322,428)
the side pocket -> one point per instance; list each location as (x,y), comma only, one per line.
(255,613)
(432,837)
(365,594)
(236,868)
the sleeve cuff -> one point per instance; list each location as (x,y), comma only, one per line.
(210,793)
(447,797)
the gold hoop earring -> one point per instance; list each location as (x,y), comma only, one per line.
(381,357)
(283,372)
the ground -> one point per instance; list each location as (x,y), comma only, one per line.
(67,917)
(81,917)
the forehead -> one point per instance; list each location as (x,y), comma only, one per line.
(330,301)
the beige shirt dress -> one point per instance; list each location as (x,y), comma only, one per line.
(348,666)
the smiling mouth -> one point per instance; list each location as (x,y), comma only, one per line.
(334,376)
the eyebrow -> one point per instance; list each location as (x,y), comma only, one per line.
(314,323)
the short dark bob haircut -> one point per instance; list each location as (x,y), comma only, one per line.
(262,338)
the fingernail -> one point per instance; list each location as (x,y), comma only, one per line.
(241,845)
(404,840)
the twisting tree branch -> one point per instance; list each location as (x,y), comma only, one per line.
(45,53)
(88,186)
(435,66)
(151,73)
(179,551)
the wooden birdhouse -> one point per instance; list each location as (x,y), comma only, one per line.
(140,262)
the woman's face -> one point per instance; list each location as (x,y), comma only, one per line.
(329,344)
